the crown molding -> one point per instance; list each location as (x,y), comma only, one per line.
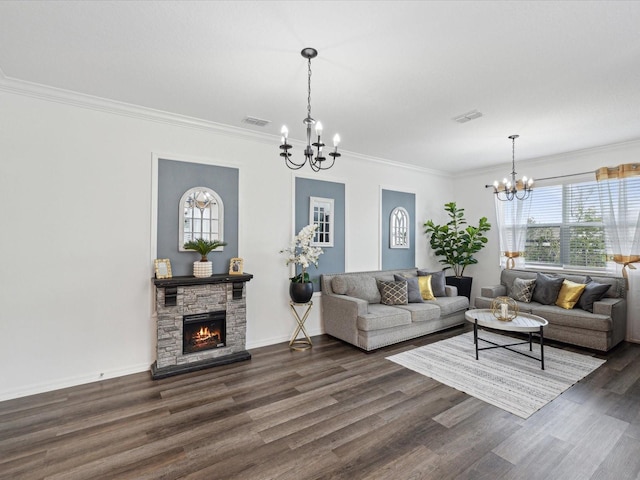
(115,107)
(392,163)
(571,154)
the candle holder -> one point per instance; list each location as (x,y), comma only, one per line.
(504,309)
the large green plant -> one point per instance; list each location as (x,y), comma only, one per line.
(455,242)
(203,247)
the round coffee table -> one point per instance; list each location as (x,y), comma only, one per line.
(524,322)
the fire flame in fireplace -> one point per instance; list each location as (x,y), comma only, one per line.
(203,333)
(204,338)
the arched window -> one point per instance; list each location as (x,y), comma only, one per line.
(201,216)
(399,228)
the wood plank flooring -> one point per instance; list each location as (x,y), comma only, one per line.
(331,412)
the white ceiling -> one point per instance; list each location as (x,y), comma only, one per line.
(390,76)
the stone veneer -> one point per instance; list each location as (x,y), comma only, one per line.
(192,296)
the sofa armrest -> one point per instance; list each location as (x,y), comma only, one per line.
(451,290)
(493,291)
(616,308)
(606,306)
(340,316)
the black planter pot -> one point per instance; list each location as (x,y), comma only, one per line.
(301,292)
(462,283)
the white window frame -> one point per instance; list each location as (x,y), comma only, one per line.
(398,216)
(563,227)
(213,233)
(321,213)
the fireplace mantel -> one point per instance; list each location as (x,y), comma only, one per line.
(179,297)
(189,280)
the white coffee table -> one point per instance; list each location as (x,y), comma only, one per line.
(524,322)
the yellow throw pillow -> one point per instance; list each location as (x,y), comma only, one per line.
(425,287)
(569,294)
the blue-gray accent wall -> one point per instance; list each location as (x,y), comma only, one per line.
(393,258)
(332,260)
(175,178)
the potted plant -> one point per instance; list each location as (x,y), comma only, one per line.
(301,253)
(203,267)
(457,244)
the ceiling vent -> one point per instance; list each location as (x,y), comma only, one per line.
(258,122)
(466,117)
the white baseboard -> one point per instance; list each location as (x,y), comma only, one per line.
(71,382)
(273,340)
(96,377)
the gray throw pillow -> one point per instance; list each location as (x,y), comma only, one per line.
(522,289)
(393,293)
(359,286)
(413,289)
(593,292)
(339,285)
(438,282)
(547,289)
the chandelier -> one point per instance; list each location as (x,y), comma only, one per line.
(511,189)
(317,163)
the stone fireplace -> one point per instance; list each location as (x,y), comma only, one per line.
(201,323)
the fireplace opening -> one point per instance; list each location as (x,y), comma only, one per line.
(203,331)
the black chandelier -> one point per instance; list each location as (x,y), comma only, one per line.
(316,163)
(511,189)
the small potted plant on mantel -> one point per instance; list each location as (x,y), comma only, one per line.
(203,267)
(457,244)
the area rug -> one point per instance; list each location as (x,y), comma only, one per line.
(502,378)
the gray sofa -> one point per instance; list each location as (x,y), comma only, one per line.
(600,329)
(351,310)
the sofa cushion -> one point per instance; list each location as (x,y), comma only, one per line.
(413,289)
(438,282)
(383,316)
(547,289)
(593,291)
(449,305)
(569,294)
(522,289)
(393,293)
(573,318)
(422,312)
(424,282)
(363,287)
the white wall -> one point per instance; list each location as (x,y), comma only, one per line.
(76,241)
(478,201)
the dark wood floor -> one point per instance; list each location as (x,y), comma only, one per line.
(331,412)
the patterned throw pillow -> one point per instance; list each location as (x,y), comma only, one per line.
(393,293)
(522,289)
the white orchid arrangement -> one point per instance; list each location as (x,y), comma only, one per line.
(300,252)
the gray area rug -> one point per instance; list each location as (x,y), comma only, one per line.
(502,378)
